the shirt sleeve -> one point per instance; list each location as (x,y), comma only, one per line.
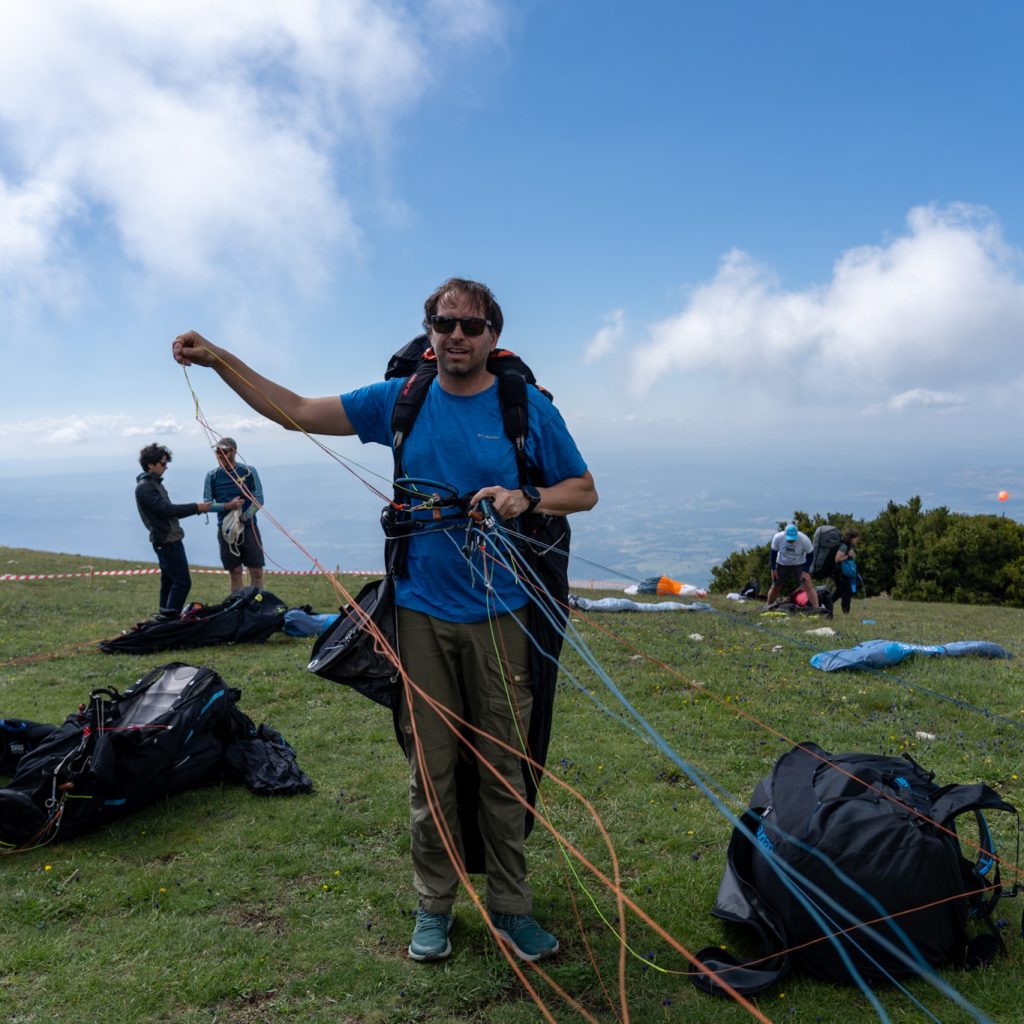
(256,489)
(151,499)
(369,410)
(550,447)
(208,486)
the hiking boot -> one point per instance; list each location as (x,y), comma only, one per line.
(430,938)
(573,601)
(525,936)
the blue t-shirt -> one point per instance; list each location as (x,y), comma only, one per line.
(460,440)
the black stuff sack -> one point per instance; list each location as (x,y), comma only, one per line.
(349,651)
(868,844)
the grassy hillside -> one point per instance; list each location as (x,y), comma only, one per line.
(219,906)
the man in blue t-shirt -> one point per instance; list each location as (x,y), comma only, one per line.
(460,643)
(238,533)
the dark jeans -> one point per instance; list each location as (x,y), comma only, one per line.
(175,580)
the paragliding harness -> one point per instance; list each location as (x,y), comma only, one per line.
(249,615)
(826,541)
(870,842)
(347,652)
(178,727)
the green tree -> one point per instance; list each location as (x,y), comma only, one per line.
(913,554)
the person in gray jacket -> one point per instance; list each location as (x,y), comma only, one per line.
(160,516)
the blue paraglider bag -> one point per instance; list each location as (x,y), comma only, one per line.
(848,567)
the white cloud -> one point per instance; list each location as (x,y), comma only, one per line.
(608,338)
(203,136)
(942,302)
(158,428)
(102,429)
(922,398)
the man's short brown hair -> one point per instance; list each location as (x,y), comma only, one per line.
(479,293)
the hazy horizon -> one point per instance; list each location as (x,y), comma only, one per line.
(679,514)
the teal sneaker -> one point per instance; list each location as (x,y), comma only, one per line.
(525,936)
(430,938)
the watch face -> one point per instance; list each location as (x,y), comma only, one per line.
(531,493)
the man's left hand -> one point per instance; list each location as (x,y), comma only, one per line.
(506,504)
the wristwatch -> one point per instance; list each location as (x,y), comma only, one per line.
(532,495)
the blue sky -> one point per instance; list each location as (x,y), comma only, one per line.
(716,229)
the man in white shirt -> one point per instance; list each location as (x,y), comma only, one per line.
(791,556)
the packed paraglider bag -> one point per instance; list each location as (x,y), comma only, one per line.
(249,615)
(849,865)
(177,728)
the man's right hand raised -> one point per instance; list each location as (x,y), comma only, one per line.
(191,347)
(293,412)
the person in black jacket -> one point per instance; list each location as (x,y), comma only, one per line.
(845,575)
(160,516)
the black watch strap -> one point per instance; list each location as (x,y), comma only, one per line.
(532,495)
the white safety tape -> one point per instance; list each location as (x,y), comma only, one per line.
(11,577)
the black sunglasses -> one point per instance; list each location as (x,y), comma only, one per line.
(472,326)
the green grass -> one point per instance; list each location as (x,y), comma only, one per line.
(217,906)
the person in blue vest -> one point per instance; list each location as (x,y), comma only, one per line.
(460,642)
(237,535)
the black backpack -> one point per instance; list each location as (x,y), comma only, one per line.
(865,838)
(249,615)
(826,541)
(178,727)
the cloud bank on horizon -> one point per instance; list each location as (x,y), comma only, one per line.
(941,302)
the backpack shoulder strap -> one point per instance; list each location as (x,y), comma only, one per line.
(407,407)
(948,803)
(515,414)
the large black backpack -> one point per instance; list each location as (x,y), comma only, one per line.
(178,727)
(826,541)
(249,615)
(870,842)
